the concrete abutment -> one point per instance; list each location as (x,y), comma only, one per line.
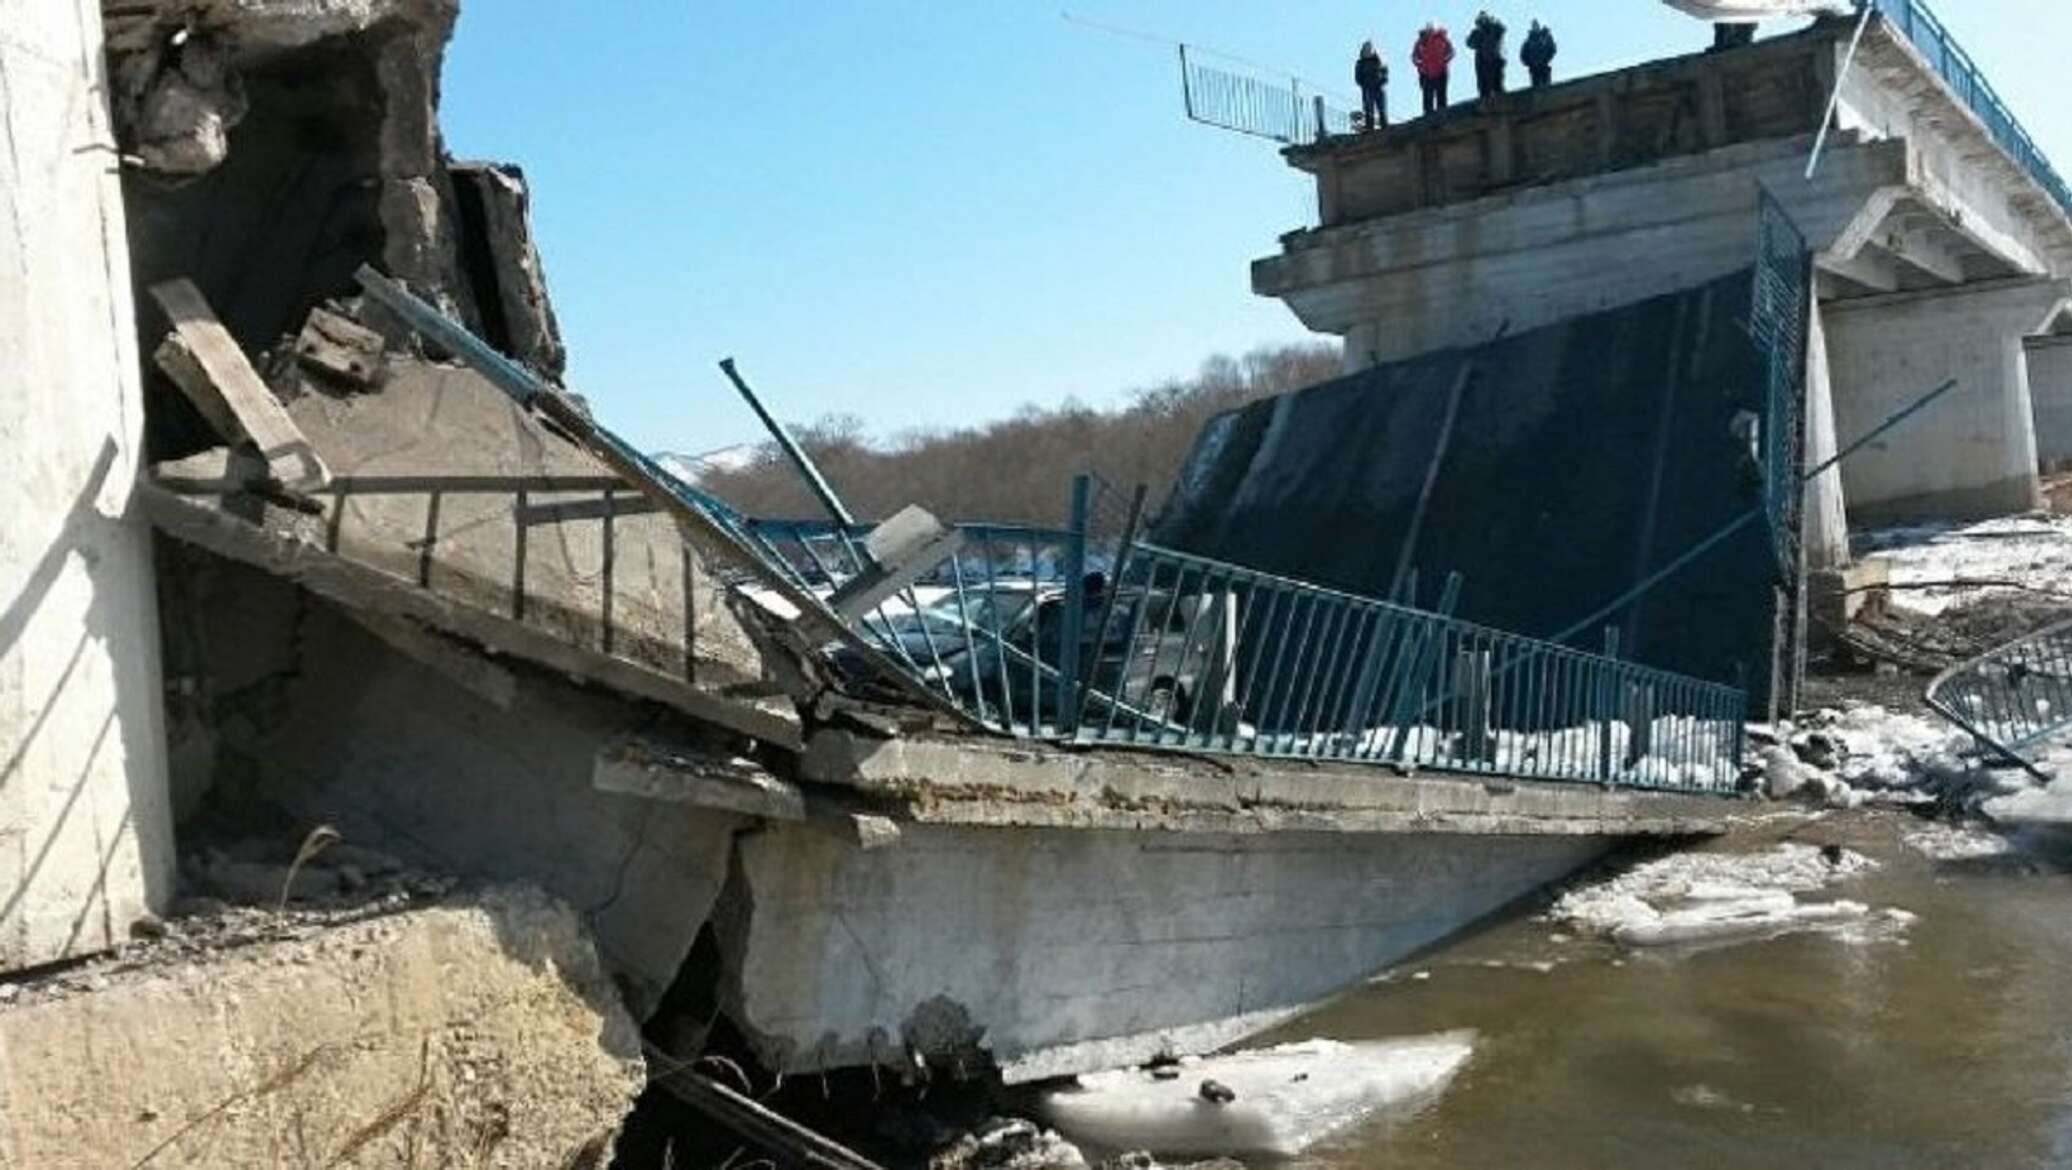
(85,829)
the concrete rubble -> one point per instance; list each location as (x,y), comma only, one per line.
(475,1030)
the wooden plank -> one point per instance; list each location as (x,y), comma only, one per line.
(207,364)
(200,522)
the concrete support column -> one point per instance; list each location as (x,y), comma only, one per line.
(1973,454)
(85,833)
(1827,522)
(2050,384)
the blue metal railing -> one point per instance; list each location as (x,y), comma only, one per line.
(1942,52)
(2014,697)
(1183,653)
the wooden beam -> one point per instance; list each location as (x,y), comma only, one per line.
(206,363)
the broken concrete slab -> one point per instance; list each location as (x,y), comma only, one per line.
(203,522)
(465,666)
(340,729)
(498,1041)
(978,783)
(640,767)
(447,482)
(339,348)
(517,315)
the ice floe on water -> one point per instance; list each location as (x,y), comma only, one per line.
(1694,899)
(1946,842)
(1272,1102)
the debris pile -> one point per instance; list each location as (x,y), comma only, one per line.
(1864,754)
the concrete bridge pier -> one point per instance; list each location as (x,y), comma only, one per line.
(2050,384)
(1978,457)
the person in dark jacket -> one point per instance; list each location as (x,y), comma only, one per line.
(1373,78)
(1487,41)
(1538,54)
(1433,57)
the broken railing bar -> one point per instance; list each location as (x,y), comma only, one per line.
(759,1123)
(1123,552)
(1834,100)
(1757,513)
(1075,607)
(861,553)
(400,485)
(807,469)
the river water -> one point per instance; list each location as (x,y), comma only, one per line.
(1949,1045)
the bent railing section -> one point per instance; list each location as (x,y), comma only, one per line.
(2014,697)
(1183,653)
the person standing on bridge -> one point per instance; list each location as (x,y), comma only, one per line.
(1433,57)
(1538,54)
(1372,76)
(1487,42)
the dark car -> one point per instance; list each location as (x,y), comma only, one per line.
(930,638)
(1156,661)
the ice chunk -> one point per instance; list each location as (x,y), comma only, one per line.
(1723,921)
(1287,1099)
(1708,898)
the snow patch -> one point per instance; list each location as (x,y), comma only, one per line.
(1287,1099)
(2032,552)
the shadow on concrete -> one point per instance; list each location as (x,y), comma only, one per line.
(120,622)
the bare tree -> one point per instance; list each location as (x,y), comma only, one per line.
(1018,469)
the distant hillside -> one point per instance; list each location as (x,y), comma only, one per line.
(1017,470)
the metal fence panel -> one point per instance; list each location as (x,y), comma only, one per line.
(1274,110)
(2014,697)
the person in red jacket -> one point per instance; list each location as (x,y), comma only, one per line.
(1433,56)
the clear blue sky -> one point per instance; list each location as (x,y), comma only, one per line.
(930,212)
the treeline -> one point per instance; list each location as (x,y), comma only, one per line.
(1019,470)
